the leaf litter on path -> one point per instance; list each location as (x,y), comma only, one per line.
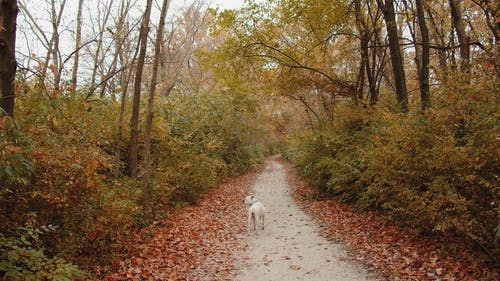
(195,243)
(199,242)
(392,253)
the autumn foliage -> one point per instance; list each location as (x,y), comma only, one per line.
(378,244)
(57,168)
(432,172)
(193,243)
(390,106)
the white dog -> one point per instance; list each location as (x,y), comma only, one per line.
(255,212)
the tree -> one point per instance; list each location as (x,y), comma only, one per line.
(78,39)
(438,34)
(149,118)
(372,59)
(463,39)
(298,44)
(396,57)
(423,76)
(491,15)
(8,65)
(54,50)
(102,21)
(123,47)
(134,120)
(364,39)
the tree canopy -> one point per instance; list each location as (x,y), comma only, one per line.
(389,105)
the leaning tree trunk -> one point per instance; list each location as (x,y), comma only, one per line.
(8,65)
(396,57)
(134,120)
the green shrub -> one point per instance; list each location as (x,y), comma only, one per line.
(332,158)
(23,258)
(434,171)
(206,142)
(16,149)
(16,168)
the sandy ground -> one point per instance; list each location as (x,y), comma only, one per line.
(290,247)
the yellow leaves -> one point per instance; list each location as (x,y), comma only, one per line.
(90,172)
(90,167)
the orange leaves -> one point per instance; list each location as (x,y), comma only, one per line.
(394,254)
(197,242)
(13,149)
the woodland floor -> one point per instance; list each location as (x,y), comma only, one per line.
(303,240)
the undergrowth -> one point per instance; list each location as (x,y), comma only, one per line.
(57,168)
(434,172)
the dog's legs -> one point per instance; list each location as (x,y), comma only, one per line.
(254,222)
(249,225)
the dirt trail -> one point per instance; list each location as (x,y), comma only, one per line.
(290,248)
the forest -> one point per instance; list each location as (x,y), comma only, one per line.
(116,113)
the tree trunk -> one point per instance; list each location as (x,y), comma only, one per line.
(119,38)
(439,39)
(453,57)
(396,57)
(56,21)
(463,39)
(8,65)
(149,120)
(55,48)
(99,58)
(361,24)
(125,77)
(371,71)
(378,62)
(124,83)
(134,120)
(424,65)
(360,83)
(78,39)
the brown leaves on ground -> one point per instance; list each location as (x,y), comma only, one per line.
(196,243)
(393,254)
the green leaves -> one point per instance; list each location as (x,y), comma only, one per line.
(22,258)
(16,164)
(210,136)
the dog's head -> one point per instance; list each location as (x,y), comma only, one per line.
(249,200)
